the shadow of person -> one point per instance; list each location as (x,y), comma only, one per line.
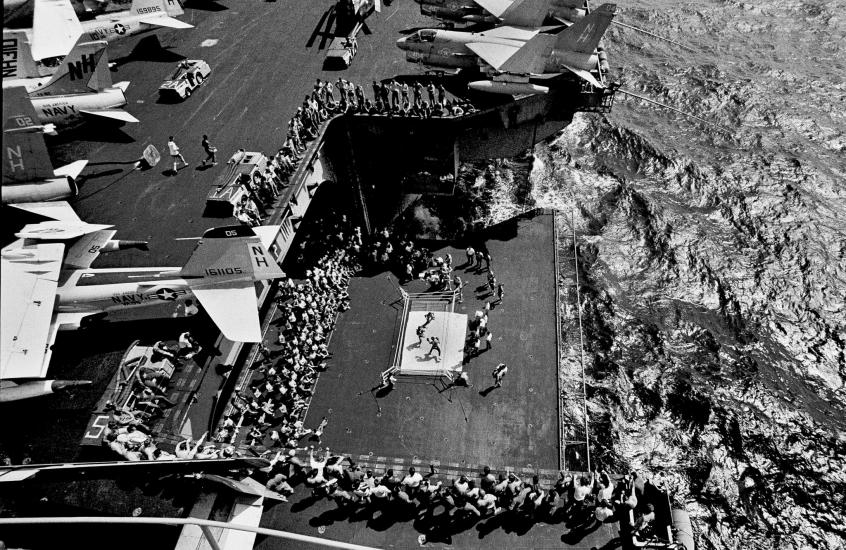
(383,391)
(485,528)
(329,517)
(486,391)
(304,504)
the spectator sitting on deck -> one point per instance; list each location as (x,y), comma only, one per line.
(161,351)
(188,346)
(184,451)
(643,526)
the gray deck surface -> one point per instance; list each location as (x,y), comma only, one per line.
(512,426)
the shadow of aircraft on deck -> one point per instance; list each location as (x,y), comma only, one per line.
(325,29)
(205,5)
(149,48)
(92,131)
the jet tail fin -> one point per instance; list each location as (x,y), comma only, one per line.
(526,13)
(22,65)
(221,273)
(84,69)
(231,253)
(584,35)
(25,156)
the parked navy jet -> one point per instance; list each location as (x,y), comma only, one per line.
(511,55)
(28,174)
(46,290)
(499,12)
(81,89)
(56,28)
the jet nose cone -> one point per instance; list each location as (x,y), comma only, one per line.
(402,43)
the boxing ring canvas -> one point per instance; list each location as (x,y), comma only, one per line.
(415,359)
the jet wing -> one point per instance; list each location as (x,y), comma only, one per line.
(111,114)
(85,250)
(55,28)
(72,170)
(56,210)
(233,307)
(512,33)
(494,55)
(495,7)
(28,285)
(58,231)
(169,22)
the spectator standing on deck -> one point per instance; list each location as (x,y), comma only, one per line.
(459,285)
(441,93)
(318,433)
(174,153)
(211,152)
(499,373)
(499,293)
(395,94)
(470,255)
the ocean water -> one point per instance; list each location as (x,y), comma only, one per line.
(713,262)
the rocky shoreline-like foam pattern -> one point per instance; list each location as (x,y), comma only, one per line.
(714,264)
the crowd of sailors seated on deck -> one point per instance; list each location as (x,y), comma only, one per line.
(270,411)
(582,501)
(128,432)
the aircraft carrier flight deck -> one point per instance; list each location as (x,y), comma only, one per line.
(264,58)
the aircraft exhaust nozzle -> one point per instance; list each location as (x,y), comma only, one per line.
(140,245)
(113,245)
(62,385)
(510,88)
(47,190)
(13,391)
(480,19)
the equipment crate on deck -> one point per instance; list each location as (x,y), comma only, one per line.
(229,187)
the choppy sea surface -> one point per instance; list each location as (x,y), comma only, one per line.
(713,262)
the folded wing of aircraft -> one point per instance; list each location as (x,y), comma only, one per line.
(30,278)
(29,282)
(55,28)
(528,58)
(519,13)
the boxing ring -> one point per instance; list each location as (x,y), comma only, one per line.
(415,359)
